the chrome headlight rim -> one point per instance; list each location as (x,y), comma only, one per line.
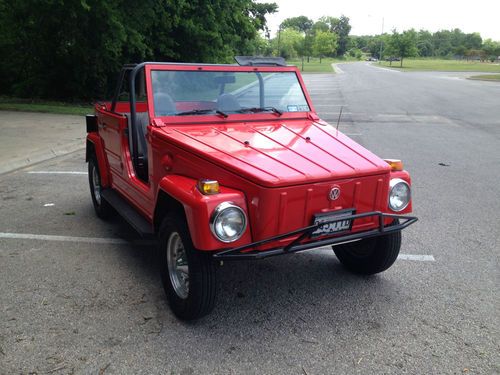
(218,212)
(392,185)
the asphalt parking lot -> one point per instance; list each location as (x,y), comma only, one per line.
(79,295)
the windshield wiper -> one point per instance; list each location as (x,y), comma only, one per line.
(261,109)
(201,112)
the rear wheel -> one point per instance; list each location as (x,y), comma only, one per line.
(102,208)
(371,255)
(188,275)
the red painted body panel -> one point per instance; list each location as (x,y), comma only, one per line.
(199,207)
(96,140)
(279,153)
(117,153)
(278,169)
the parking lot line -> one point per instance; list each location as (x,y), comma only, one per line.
(334,113)
(58,172)
(331,90)
(118,241)
(421,258)
(45,237)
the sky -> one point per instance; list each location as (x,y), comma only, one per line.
(366,16)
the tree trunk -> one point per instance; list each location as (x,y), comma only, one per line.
(401,62)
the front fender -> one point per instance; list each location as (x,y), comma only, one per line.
(198,209)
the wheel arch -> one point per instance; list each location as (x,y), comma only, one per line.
(95,148)
(166,204)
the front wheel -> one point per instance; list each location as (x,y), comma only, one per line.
(102,208)
(188,275)
(371,255)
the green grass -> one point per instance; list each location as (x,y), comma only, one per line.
(487,77)
(26,105)
(444,65)
(314,66)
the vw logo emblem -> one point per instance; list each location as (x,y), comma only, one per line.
(334,193)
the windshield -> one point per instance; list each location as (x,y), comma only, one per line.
(178,93)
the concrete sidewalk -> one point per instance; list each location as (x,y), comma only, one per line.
(28,137)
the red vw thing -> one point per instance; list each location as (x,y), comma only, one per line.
(223,162)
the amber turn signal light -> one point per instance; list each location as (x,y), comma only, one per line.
(208,187)
(396,165)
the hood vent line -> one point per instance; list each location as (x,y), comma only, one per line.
(262,153)
(227,153)
(350,148)
(321,148)
(295,152)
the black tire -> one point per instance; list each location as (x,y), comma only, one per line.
(102,208)
(198,298)
(371,255)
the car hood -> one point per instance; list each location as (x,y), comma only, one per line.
(276,154)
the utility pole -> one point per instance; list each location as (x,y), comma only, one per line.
(279,40)
(381,42)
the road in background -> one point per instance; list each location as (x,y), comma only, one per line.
(90,306)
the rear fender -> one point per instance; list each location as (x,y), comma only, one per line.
(95,147)
(198,209)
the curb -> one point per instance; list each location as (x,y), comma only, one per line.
(336,69)
(482,79)
(37,157)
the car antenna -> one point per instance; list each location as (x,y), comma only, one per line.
(338,121)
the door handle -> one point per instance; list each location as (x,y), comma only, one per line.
(102,125)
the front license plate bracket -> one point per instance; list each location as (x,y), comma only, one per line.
(333,222)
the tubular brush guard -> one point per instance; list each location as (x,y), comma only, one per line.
(248,251)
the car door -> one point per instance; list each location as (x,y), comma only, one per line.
(111,127)
(131,182)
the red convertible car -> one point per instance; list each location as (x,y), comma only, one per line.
(223,162)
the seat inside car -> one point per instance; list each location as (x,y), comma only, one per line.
(164,104)
(228,103)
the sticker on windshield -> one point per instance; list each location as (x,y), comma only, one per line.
(298,108)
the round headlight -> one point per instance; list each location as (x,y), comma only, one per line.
(399,194)
(228,222)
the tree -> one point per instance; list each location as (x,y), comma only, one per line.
(360,42)
(473,41)
(325,44)
(300,23)
(442,43)
(320,26)
(258,12)
(341,27)
(356,53)
(424,43)
(374,45)
(288,43)
(304,25)
(404,44)
(491,49)
(73,49)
